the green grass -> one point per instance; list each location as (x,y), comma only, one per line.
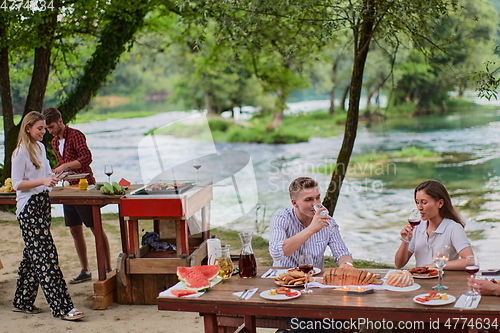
(294,129)
(382,162)
(87,117)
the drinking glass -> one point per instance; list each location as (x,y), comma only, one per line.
(197,166)
(413,219)
(108,171)
(306,265)
(472,267)
(324,212)
(440,256)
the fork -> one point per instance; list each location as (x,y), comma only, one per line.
(471,301)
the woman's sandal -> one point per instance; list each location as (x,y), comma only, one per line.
(35,310)
(74,314)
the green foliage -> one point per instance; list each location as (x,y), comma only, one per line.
(379,162)
(295,128)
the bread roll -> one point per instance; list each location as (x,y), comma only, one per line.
(347,276)
(399,279)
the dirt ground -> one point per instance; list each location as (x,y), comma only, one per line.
(117,318)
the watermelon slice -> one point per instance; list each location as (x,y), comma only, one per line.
(182,292)
(124,183)
(198,277)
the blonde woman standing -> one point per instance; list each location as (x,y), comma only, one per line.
(32,179)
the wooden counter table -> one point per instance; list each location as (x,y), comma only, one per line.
(94,198)
(382,305)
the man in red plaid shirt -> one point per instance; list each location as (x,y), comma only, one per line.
(72,152)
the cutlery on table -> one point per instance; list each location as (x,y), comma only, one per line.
(243,294)
(471,301)
(247,293)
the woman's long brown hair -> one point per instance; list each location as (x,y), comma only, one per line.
(437,191)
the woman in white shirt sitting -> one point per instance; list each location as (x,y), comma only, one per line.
(440,226)
(32,179)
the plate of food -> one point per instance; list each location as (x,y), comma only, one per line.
(424,272)
(280,294)
(76,176)
(434,299)
(293,278)
(316,270)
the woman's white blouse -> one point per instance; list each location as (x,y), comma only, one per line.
(23,169)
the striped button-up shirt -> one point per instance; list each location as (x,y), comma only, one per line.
(285,224)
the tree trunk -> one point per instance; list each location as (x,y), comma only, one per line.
(369,97)
(344,97)
(279,108)
(5,94)
(209,103)
(335,66)
(38,85)
(362,39)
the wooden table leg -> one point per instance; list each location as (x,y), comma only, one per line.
(210,323)
(99,243)
(250,325)
(205,222)
(133,237)
(123,233)
(182,237)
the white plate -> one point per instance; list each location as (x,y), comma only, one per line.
(413,287)
(76,176)
(426,276)
(278,297)
(435,302)
(289,285)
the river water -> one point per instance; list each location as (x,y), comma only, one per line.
(372,209)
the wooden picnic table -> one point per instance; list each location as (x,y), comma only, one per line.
(382,305)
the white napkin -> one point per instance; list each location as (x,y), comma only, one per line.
(464,298)
(273,272)
(249,293)
(182,285)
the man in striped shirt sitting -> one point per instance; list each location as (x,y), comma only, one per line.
(303,230)
(300,229)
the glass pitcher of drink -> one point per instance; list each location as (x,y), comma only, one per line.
(225,263)
(247,263)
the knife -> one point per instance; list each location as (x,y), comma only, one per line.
(268,273)
(243,294)
(468,302)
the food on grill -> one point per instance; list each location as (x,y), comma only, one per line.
(164,186)
(399,279)
(424,271)
(292,277)
(348,276)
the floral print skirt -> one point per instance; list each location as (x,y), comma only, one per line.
(40,263)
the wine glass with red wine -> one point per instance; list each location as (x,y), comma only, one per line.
(472,267)
(306,265)
(414,219)
(108,171)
